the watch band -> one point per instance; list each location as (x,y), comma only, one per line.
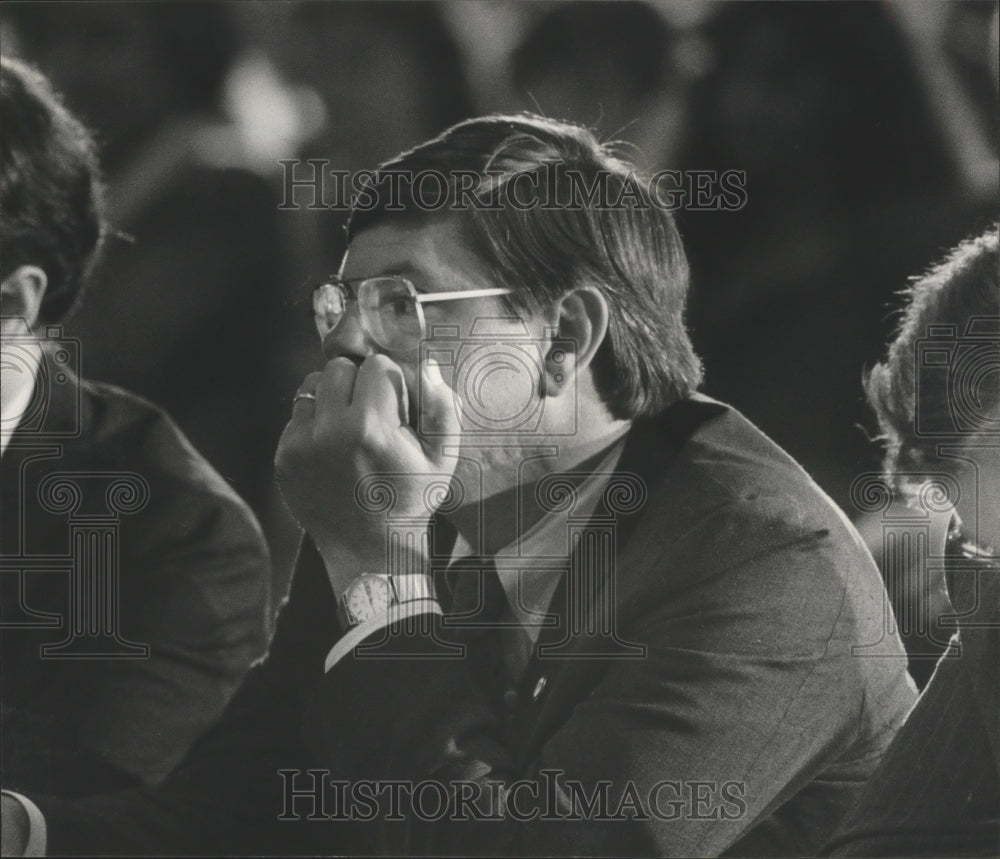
(373,594)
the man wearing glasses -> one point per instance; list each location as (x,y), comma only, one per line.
(551,601)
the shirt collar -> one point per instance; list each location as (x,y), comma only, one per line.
(548,538)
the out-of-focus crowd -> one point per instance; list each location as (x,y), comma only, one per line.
(867,132)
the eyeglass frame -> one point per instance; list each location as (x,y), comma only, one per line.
(419,299)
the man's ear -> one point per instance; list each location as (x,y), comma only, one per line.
(21,295)
(582,319)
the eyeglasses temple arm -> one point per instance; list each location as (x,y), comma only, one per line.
(468,293)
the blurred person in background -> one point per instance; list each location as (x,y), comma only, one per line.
(190,267)
(388,75)
(936,792)
(134,580)
(844,164)
(851,184)
(608,65)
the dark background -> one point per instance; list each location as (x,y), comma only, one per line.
(868,132)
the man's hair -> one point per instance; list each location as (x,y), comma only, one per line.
(906,396)
(50,194)
(539,233)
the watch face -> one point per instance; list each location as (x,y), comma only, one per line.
(367,597)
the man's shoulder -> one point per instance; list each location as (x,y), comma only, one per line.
(722,459)
(735,532)
(729,495)
(117,423)
(123,431)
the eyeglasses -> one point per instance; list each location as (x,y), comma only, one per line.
(390,308)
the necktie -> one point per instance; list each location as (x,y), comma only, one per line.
(477,597)
(478,604)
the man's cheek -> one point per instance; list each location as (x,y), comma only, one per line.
(444,359)
(499,389)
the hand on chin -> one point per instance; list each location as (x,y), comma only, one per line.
(350,458)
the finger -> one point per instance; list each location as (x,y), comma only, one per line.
(309,383)
(380,391)
(437,405)
(334,392)
(335,384)
(305,396)
(295,435)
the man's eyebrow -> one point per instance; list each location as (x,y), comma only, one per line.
(422,281)
(405,269)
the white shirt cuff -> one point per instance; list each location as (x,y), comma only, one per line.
(356,634)
(35,845)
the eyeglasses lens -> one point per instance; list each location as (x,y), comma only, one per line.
(387,305)
(391,313)
(329,306)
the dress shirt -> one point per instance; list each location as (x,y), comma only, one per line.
(35,845)
(529,592)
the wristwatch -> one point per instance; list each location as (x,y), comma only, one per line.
(373,594)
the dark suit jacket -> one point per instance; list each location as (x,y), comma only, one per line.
(134,590)
(748,592)
(937,790)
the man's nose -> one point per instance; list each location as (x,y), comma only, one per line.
(348,339)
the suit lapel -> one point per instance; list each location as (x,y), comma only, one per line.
(605,560)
